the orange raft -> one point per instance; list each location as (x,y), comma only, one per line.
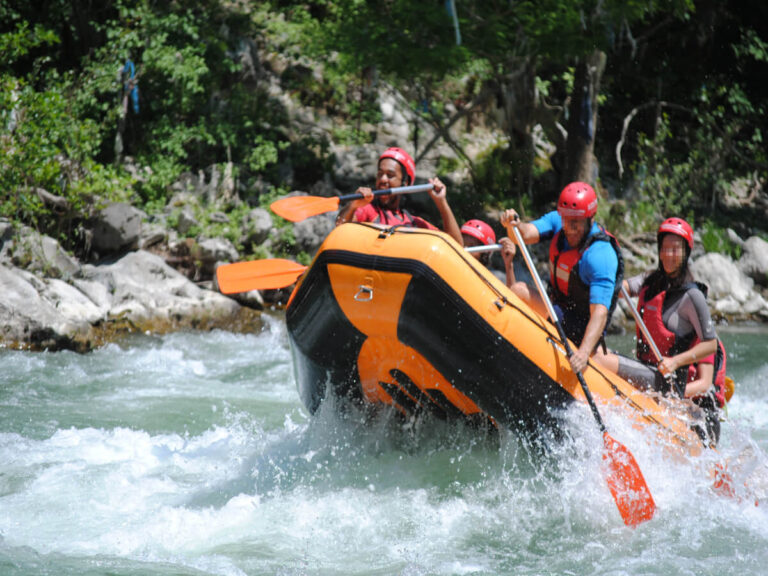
(405,317)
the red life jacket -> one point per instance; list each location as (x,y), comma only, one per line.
(373,212)
(669,344)
(568,290)
(719,359)
(666,340)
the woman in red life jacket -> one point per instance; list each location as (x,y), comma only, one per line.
(674,309)
(396,168)
(478,233)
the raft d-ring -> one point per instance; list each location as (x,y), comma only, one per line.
(364,293)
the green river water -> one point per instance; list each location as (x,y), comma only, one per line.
(191,454)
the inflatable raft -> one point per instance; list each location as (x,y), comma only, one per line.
(406,318)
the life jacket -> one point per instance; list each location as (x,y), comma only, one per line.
(567,288)
(652,311)
(719,359)
(713,399)
(669,344)
(373,212)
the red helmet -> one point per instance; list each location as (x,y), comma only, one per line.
(577,200)
(404,159)
(480,230)
(678,227)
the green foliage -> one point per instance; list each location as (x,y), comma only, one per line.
(17,44)
(751,46)
(715,239)
(264,153)
(665,188)
(446,164)
(62,102)
(44,145)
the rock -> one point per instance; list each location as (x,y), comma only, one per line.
(754,260)
(387,110)
(152,235)
(139,292)
(252,299)
(311,232)
(218,217)
(143,285)
(117,228)
(34,252)
(734,238)
(730,290)
(6,234)
(323,188)
(187,221)
(213,250)
(42,312)
(257,226)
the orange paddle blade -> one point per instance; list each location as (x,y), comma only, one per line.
(723,483)
(730,387)
(626,483)
(268,274)
(298,208)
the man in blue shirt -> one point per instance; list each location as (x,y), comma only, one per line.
(585,267)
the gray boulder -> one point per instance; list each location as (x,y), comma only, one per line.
(117,228)
(37,253)
(210,251)
(754,260)
(42,312)
(143,286)
(311,232)
(137,293)
(187,220)
(730,290)
(257,225)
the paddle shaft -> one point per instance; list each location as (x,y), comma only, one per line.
(670,376)
(390,192)
(625,480)
(551,311)
(488,248)
(641,324)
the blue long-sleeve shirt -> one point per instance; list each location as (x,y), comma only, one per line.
(598,264)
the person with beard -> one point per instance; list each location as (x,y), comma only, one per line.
(585,266)
(674,308)
(396,168)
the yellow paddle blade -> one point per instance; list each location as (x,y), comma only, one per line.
(269,274)
(626,483)
(298,208)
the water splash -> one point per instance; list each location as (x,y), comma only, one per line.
(191,453)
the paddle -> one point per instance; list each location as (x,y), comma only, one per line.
(624,478)
(298,208)
(649,339)
(268,274)
(486,248)
(275,273)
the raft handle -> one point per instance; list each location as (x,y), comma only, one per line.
(364,294)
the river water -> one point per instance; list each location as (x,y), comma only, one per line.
(191,454)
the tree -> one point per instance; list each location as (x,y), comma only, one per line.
(512,47)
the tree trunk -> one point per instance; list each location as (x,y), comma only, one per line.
(582,123)
(518,99)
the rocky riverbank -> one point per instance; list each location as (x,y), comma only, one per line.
(155,273)
(151,279)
